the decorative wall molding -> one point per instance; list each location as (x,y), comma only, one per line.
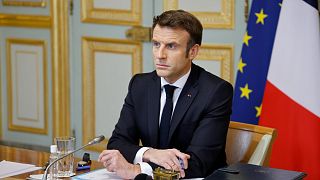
(60,68)
(57,22)
(0,100)
(91,46)
(32,3)
(20,20)
(223,19)
(27,107)
(222,53)
(92,14)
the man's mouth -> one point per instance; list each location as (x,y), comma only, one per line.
(162,66)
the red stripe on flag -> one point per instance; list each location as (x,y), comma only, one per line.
(297,146)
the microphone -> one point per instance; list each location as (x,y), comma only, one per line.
(94,141)
(143,177)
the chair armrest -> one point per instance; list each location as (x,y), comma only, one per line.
(259,154)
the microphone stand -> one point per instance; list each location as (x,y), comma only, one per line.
(96,140)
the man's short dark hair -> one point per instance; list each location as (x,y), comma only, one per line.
(181,19)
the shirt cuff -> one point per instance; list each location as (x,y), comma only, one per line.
(139,155)
(146,168)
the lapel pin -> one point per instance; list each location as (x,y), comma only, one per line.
(189,95)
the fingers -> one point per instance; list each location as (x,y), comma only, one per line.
(105,155)
(182,173)
(109,159)
(184,157)
(167,165)
(106,159)
(185,162)
(180,154)
(176,165)
(108,166)
(114,161)
(168,159)
(171,159)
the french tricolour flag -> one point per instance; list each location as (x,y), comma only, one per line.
(278,80)
(291,101)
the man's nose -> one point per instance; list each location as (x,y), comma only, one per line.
(161,53)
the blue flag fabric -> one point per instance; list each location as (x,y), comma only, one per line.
(254,61)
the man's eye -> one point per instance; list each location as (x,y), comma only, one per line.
(155,44)
(171,46)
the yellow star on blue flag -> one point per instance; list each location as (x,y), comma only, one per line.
(241,65)
(260,17)
(256,51)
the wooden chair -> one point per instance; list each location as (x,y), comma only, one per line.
(249,143)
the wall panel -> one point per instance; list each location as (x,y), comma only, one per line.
(27,86)
(108,65)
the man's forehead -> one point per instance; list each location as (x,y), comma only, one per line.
(169,34)
(170,29)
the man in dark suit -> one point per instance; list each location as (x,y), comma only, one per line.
(193,140)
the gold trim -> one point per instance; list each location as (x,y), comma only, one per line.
(89,47)
(34,21)
(246,11)
(60,68)
(0,98)
(28,119)
(223,53)
(223,19)
(12,126)
(111,16)
(39,3)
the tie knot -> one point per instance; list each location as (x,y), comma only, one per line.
(169,90)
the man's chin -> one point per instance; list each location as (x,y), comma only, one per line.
(161,72)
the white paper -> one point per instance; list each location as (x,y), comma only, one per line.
(39,176)
(8,168)
(100,174)
(103,174)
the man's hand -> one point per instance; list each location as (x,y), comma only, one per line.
(115,162)
(167,158)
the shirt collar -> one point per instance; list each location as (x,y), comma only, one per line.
(179,83)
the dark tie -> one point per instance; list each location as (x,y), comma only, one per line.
(166,117)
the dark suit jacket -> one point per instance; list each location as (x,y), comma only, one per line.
(199,123)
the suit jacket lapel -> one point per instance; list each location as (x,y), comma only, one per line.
(188,93)
(153,99)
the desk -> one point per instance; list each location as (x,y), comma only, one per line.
(37,158)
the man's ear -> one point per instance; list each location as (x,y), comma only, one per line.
(193,52)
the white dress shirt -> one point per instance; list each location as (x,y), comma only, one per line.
(145,167)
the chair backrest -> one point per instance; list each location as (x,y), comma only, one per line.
(249,143)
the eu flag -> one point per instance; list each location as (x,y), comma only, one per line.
(254,61)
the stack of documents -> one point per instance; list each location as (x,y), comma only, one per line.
(8,168)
